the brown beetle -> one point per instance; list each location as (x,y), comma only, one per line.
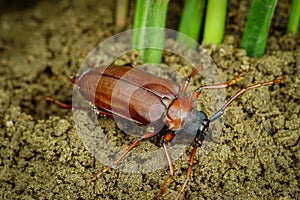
(172,108)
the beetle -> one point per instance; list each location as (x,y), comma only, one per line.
(172,107)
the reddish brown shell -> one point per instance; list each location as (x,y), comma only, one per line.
(127,92)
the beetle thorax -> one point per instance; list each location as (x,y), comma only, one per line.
(177,112)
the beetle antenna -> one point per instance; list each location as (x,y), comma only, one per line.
(219,86)
(219,113)
(188,79)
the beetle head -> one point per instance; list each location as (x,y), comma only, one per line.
(195,122)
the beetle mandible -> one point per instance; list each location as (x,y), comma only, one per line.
(175,110)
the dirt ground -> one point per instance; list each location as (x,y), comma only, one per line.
(42,157)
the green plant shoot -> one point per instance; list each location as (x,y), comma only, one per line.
(257,27)
(191,21)
(294,17)
(121,13)
(215,21)
(150,13)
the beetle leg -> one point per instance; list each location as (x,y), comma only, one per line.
(167,138)
(116,162)
(189,169)
(60,104)
(66,106)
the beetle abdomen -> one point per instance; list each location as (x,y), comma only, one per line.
(127,92)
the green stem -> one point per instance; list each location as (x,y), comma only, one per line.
(121,13)
(140,16)
(191,21)
(215,21)
(294,17)
(257,27)
(150,13)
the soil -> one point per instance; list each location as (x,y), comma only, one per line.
(42,157)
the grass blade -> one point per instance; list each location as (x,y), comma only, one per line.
(257,27)
(191,21)
(294,17)
(215,21)
(121,13)
(150,13)
(140,16)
